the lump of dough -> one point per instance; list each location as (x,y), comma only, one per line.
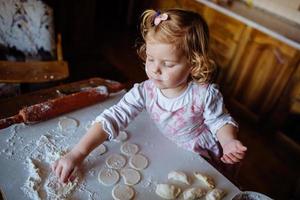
(207,180)
(179,176)
(215,194)
(167,191)
(129,149)
(108,177)
(193,193)
(130,176)
(122,192)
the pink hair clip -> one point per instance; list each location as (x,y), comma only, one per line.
(160,18)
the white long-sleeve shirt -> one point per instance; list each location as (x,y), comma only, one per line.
(191,120)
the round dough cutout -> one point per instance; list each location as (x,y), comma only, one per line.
(108,177)
(123,192)
(129,148)
(130,176)
(122,137)
(115,161)
(138,162)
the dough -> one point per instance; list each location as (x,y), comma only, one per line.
(108,177)
(115,161)
(207,180)
(167,191)
(67,124)
(215,194)
(193,193)
(101,149)
(129,149)
(123,192)
(121,137)
(130,176)
(179,176)
(138,162)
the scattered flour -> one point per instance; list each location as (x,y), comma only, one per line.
(42,183)
(33,184)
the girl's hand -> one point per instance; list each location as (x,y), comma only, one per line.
(233,152)
(64,167)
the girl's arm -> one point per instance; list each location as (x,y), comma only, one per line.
(226,133)
(64,167)
(233,149)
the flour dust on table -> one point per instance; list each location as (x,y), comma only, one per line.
(42,183)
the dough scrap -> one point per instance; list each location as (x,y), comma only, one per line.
(101,149)
(215,194)
(129,149)
(138,162)
(108,176)
(67,124)
(179,176)
(193,193)
(207,180)
(115,161)
(123,192)
(122,137)
(167,191)
(131,176)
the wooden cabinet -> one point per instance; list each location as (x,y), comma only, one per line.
(157,4)
(261,73)
(254,68)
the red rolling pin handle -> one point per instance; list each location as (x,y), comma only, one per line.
(4,123)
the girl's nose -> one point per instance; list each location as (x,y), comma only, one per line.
(156,68)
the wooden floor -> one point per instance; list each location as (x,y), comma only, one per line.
(271,166)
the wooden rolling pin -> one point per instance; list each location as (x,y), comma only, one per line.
(52,108)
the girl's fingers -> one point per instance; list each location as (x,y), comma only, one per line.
(227,159)
(65,175)
(241,147)
(223,160)
(58,170)
(238,155)
(54,165)
(72,176)
(233,158)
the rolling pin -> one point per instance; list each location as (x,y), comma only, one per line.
(54,107)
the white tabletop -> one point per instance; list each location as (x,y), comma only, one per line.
(18,142)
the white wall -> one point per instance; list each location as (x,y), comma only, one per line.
(285,8)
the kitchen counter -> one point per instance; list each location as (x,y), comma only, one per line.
(273,25)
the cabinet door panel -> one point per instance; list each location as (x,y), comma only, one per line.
(263,71)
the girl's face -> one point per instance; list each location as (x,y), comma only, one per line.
(167,67)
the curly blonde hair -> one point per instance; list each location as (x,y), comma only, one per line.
(185,29)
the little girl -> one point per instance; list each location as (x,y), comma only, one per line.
(178,97)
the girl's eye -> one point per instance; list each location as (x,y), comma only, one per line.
(169,65)
(150,59)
